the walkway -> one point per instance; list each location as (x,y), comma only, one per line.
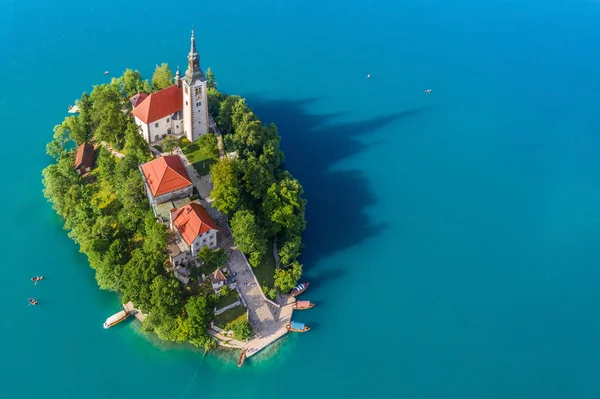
(112,151)
(213,126)
(268,319)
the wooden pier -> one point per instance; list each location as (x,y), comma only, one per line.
(134,312)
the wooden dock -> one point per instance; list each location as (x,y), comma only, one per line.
(134,312)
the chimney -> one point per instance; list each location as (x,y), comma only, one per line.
(173,213)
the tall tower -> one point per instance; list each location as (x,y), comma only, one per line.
(195,101)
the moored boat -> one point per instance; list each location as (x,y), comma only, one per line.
(296,327)
(116,318)
(37,278)
(299,289)
(301,305)
(242,358)
(73,109)
(32,301)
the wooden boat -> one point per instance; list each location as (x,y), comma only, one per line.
(37,278)
(116,318)
(242,358)
(296,327)
(32,301)
(301,305)
(300,288)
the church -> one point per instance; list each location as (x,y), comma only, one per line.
(180,110)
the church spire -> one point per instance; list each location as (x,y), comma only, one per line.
(193,59)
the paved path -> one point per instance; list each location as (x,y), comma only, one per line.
(268,319)
(213,125)
(112,151)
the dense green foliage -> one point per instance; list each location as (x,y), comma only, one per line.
(242,330)
(262,198)
(169,143)
(108,214)
(163,77)
(211,259)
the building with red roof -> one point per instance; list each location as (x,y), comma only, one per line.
(178,109)
(166,178)
(159,113)
(137,99)
(195,226)
(84,158)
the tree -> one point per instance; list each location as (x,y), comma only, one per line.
(211,83)
(208,145)
(286,279)
(226,191)
(215,98)
(225,113)
(242,330)
(106,164)
(138,274)
(76,130)
(200,310)
(249,236)
(163,77)
(135,144)
(290,249)
(109,271)
(85,113)
(166,296)
(58,178)
(169,143)
(224,291)
(284,204)
(212,259)
(130,83)
(57,147)
(112,125)
(256,177)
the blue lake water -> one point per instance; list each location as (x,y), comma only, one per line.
(452,242)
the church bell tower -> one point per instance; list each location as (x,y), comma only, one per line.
(195,101)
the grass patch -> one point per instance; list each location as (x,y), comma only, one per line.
(227,300)
(197,157)
(159,148)
(265,272)
(229,315)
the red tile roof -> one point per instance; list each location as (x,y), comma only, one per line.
(193,220)
(217,276)
(84,158)
(137,99)
(162,103)
(166,174)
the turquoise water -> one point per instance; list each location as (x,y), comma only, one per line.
(452,237)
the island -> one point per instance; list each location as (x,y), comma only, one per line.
(177,194)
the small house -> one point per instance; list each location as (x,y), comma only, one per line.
(217,279)
(84,158)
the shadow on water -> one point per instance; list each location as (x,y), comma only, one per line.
(337,199)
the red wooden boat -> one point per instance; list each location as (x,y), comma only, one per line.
(37,278)
(242,358)
(300,288)
(301,305)
(296,327)
(32,301)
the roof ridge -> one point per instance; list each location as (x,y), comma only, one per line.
(164,171)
